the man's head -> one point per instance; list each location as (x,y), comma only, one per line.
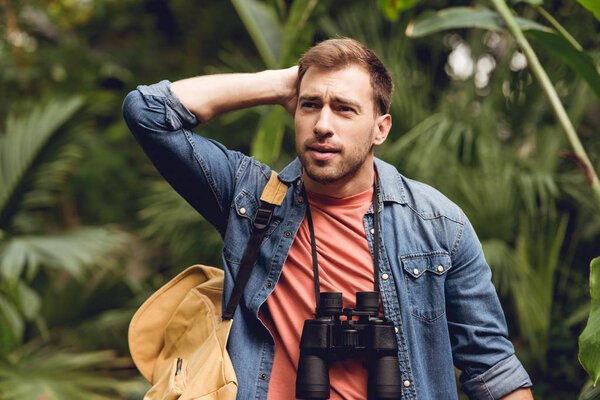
(335,54)
(343,96)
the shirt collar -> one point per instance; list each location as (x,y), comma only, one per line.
(292,172)
(391,185)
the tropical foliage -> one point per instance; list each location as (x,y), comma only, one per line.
(88,229)
(40,264)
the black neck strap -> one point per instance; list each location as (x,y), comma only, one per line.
(313,244)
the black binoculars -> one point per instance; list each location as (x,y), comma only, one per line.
(328,338)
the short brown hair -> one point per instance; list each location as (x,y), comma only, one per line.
(335,54)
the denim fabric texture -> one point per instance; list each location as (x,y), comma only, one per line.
(435,283)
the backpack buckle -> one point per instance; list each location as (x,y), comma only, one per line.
(262,218)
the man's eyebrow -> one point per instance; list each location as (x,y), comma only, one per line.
(337,99)
(348,102)
(309,98)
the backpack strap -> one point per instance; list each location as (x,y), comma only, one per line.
(272,196)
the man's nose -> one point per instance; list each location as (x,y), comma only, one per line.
(324,125)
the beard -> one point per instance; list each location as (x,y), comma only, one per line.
(343,167)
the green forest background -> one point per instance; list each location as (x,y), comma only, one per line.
(88,229)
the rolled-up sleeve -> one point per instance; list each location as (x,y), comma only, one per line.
(498,381)
(201,170)
(478,332)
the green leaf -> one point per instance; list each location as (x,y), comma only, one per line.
(30,302)
(266,144)
(22,146)
(532,2)
(590,393)
(264,28)
(52,177)
(170,221)
(12,326)
(295,24)
(50,374)
(392,8)
(71,251)
(593,6)
(589,340)
(463,17)
(580,61)
(13,259)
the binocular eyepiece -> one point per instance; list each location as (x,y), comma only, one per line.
(328,338)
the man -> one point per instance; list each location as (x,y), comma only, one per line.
(434,283)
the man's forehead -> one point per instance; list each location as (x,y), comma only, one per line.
(348,81)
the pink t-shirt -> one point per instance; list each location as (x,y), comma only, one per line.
(345,265)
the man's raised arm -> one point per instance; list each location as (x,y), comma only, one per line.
(161,117)
(211,95)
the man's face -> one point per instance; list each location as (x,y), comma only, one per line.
(336,126)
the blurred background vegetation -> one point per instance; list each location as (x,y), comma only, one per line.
(88,229)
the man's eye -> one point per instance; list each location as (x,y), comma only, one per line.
(346,109)
(309,104)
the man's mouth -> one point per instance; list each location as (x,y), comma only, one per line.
(322,152)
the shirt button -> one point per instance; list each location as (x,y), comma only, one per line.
(288,233)
(406,383)
(269,285)
(416,271)
(242,211)
(264,376)
(300,200)
(440,268)
(384,277)
(372,231)
(396,329)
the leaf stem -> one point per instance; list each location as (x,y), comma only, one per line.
(548,88)
(559,27)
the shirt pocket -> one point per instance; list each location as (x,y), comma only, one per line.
(425,276)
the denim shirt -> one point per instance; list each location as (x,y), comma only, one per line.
(434,281)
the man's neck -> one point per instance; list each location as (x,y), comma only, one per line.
(343,188)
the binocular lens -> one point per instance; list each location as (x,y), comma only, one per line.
(384,378)
(330,303)
(367,301)
(312,381)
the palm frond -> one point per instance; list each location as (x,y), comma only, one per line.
(12,326)
(488,193)
(505,264)
(539,248)
(48,180)
(171,221)
(27,300)
(57,375)
(104,330)
(71,251)
(22,146)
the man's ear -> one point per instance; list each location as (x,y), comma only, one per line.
(383,124)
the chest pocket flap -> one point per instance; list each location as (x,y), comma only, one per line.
(425,277)
(436,264)
(245,205)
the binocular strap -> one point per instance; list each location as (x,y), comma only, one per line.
(313,244)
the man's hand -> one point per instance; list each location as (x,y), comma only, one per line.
(289,77)
(519,394)
(211,95)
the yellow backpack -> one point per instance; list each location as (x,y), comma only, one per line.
(178,337)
